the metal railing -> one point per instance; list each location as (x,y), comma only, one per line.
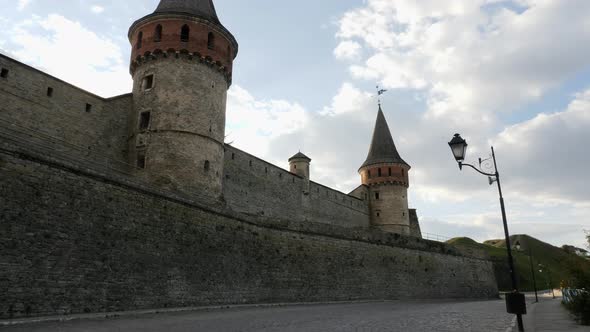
(435,237)
(568,294)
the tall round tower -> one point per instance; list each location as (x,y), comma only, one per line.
(385,173)
(181,65)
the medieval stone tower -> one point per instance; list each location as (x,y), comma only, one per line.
(181,65)
(385,174)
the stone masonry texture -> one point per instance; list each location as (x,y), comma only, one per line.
(74,240)
(187,105)
(255,187)
(99,133)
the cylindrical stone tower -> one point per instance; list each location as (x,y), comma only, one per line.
(181,65)
(386,175)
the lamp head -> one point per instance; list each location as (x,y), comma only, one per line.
(458,147)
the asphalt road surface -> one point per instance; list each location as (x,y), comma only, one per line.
(431,316)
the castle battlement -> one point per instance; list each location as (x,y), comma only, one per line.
(170,130)
(136,201)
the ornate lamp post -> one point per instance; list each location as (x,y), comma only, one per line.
(515,302)
(541,267)
(532,270)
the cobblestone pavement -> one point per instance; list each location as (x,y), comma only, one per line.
(479,316)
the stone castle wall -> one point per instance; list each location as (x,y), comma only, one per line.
(93,127)
(255,187)
(78,240)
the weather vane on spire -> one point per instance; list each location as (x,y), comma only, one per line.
(379,93)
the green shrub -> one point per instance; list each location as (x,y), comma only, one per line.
(580,306)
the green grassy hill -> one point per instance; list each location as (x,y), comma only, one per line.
(557,261)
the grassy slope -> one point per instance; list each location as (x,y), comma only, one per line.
(556,259)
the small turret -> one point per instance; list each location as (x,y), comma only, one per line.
(299,164)
(386,175)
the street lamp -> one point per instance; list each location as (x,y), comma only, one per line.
(532,269)
(541,267)
(515,302)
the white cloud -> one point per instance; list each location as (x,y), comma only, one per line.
(347,50)
(348,99)
(68,50)
(546,157)
(22,4)
(336,138)
(474,60)
(252,124)
(97,9)
(469,56)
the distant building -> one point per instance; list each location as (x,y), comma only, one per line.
(575,250)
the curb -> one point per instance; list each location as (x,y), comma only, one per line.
(117,314)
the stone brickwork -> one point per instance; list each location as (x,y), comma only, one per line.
(183,141)
(136,202)
(389,207)
(74,240)
(46,107)
(255,187)
(223,51)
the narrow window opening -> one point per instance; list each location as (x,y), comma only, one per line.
(139,39)
(377,196)
(280,175)
(369,174)
(88,108)
(266,170)
(294,166)
(389,171)
(403,174)
(233,156)
(141,159)
(207,165)
(250,163)
(144,120)
(211,41)
(379,172)
(148,82)
(4,73)
(158,33)
(293,180)
(378,214)
(185,33)
(49,92)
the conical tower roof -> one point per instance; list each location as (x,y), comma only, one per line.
(300,155)
(201,8)
(383,148)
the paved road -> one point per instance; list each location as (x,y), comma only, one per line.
(479,316)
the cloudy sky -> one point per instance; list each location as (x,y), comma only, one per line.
(512,74)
